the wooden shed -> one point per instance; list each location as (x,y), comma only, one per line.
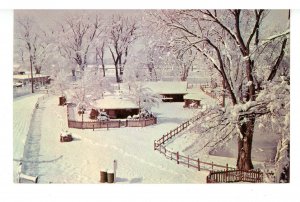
(171,91)
(117,108)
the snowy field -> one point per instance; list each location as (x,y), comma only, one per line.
(80,161)
(22,113)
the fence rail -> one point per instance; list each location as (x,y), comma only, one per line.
(252,176)
(172,133)
(159,145)
(190,162)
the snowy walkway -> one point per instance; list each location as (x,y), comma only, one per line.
(32,146)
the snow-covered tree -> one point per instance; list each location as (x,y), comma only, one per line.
(34,44)
(76,38)
(143,96)
(248,58)
(122,33)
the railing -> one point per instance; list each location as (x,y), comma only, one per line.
(252,176)
(159,145)
(175,131)
(190,162)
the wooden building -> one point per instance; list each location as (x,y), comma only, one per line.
(117,108)
(171,91)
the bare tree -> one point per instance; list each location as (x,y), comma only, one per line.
(121,35)
(36,42)
(232,41)
(77,37)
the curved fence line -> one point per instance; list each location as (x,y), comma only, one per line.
(159,145)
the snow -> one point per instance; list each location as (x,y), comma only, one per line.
(167,87)
(112,102)
(81,160)
(22,111)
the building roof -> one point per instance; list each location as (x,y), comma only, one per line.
(193,96)
(115,103)
(200,95)
(167,87)
(28,76)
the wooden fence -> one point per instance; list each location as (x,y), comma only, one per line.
(174,132)
(111,123)
(190,162)
(252,176)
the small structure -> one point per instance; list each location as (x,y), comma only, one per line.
(66,136)
(62,100)
(117,108)
(171,91)
(192,100)
(26,79)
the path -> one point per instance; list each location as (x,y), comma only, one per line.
(30,160)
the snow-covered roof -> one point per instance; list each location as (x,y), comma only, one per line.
(28,76)
(193,96)
(115,103)
(196,94)
(167,87)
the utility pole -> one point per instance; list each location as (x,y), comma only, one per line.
(31,74)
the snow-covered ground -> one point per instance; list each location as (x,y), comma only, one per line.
(80,161)
(22,113)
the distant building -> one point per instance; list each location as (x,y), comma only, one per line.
(25,79)
(171,91)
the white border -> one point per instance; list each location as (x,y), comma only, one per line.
(148,4)
(237,192)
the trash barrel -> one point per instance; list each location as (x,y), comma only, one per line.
(103,176)
(110,177)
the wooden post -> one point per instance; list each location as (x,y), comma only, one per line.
(165,151)
(154,145)
(188,161)
(177,156)
(226,166)
(198,164)
(106,126)
(93,127)
(163,139)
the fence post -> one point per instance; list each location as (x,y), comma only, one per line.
(163,139)
(177,157)
(198,164)
(106,125)
(226,166)
(93,127)
(188,161)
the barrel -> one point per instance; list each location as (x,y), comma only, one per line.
(103,176)
(110,177)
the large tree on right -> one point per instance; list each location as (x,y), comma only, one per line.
(252,60)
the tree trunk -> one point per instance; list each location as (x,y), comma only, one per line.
(103,68)
(244,161)
(117,73)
